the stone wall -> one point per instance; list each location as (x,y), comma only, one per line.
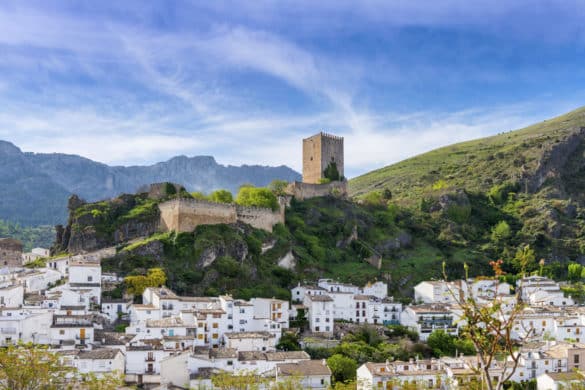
(303,191)
(10,253)
(261,218)
(184,215)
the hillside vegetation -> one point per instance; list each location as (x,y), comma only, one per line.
(533,180)
(516,196)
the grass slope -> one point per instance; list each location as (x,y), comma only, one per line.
(475,165)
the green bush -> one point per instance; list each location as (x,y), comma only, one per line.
(221,196)
(331,172)
(257,197)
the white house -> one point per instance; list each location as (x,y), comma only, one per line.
(320,313)
(427,318)
(85,275)
(17,324)
(100,361)
(143,363)
(12,296)
(273,309)
(34,254)
(559,380)
(71,330)
(250,341)
(115,308)
(430,374)
(35,281)
(312,374)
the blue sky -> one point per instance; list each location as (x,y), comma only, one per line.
(134,82)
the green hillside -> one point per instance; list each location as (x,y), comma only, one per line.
(475,165)
(515,196)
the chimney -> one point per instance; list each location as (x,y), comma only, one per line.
(324,362)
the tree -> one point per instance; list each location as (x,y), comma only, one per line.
(136,284)
(257,197)
(90,381)
(575,272)
(501,232)
(441,343)
(288,342)
(331,172)
(278,187)
(30,367)
(170,189)
(242,381)
(34,367)
(489,327)
(198,195)
(524,259)
(221,196)
(342,368)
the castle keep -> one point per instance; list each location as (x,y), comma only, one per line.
(319,151)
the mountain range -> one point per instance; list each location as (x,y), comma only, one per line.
(34,187)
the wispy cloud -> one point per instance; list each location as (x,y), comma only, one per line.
(245,83)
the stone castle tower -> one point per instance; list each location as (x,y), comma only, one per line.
(319,151)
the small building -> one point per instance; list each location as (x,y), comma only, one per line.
(10,252)
(114,309)
(250,341)
(320,313)
(559,380)
(34,254)
(427,374)
(312,374)
(425,319)
(98,361)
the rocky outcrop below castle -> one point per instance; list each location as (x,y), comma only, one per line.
(47,180)
(93,226)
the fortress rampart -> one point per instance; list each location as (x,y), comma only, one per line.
(303,191)
(184,215)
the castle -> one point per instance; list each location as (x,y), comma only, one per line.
(320,152)
(323,171)
(323,168)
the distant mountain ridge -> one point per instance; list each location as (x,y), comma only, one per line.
(34,187)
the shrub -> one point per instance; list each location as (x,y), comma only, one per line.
(501,232)
(331,172)
(221,196)
(257,197)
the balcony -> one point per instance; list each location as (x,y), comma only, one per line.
(149,359)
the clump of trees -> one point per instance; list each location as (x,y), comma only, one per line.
(136,284)
(257,197)
(30,367)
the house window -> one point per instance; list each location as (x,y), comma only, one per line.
(61,332)
(316,329)
(90,278)
(215,336)
(230,363)
(200,336)
(576,359)
(215,325)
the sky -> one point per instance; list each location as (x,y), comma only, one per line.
(134,82)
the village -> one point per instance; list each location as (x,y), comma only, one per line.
(173,341)
(161,340)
